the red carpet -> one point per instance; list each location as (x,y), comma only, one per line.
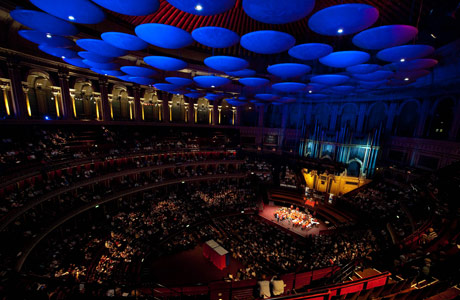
(189,268)
(268,212)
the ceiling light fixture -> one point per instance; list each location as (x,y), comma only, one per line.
(213,86)
(63,57)
(198,7)
(48,35)
(433,36)
(310,91)
(71,18)
(340,30)
(406,79)
(402,60)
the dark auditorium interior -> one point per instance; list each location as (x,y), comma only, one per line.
(230,149)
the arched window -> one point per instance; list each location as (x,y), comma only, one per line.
(86,105)
(152,107)
(43,100)
(348,117)
(226,113)
(177,108)
(202,112)
(442,119)
(376,116)
(321,116)
(249,115)
(273,115)
(121,107)
(407,119)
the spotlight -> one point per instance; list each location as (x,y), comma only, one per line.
(433,36)
(71,18)
(48,35)
(63,57)
(402,60)
(310,91)
(406,79)
(198,7)
(213,86)
(340,30)
(47,118)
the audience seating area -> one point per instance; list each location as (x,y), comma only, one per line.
(82,220)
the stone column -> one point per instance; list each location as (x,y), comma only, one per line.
(423,115)
(19,99)
(191,111)
(67,113)
(137,103)
(104,89)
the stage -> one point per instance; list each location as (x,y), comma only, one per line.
(268,214)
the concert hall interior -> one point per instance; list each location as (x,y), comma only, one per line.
(230,149)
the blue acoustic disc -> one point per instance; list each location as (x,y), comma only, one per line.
(48,39)
(166,87)
(289,87)
(215,37)
(212,97)
(203,7)
(310,51)
(77,62)
(165,63)
(242,73)
(211,81)
(142,80)
(253,81)
(101,66)
(342,89)
(124,77)
(179,81)
(399,82)
(330,79)
(267,41)
(374,76)
(343,59)
(314,87)
(289,70)
(266,97)
(58,52)
(343,19)
(416,64)
(94,57)
(382,37)
(124,41)
(404,53)
(363,68)
(115,73)
(235,102)
(138,71)
(371,84)
(131,7)
(286,100)
(317,96)
(100,47)
(226,63)
(164,36)
(276,11)
(194,95)
(410,75)
(43,22)
(77,11)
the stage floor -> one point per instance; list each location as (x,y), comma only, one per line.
(268,214)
